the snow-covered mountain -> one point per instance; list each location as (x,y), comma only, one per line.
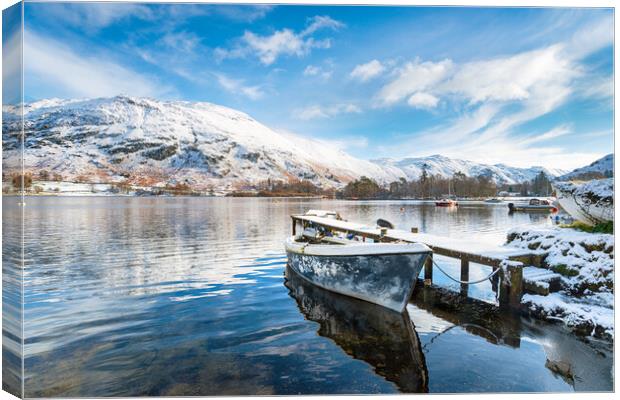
(154,143)
(603,166)
(447,167)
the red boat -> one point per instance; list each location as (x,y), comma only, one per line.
(446,203)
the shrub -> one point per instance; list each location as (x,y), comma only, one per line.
(18,179)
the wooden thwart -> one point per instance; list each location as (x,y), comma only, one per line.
(468,252)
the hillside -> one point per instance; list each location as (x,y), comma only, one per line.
(152,142)
(156,143)
(603,167)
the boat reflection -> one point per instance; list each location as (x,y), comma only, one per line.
(376,335)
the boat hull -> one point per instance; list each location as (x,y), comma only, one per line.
(384,279)
(527,208)
(588,210)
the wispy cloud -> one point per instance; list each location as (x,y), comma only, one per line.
(321,72)
(183,42)
(268,48)
(413,77)
(237,86)
(343,143)
(243,13)
(317,111)
(11,62)
(365,72)
(321,22)
(75,75)
(556,132)
(423,100)
(93,17)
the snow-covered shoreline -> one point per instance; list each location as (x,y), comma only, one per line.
(586,263)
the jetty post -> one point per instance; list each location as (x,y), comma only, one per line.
(428,270)
(464,274)
(511,284)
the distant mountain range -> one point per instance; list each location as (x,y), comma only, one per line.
(411,168)
(154,143)
(601,167)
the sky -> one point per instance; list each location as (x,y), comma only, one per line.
(519,86)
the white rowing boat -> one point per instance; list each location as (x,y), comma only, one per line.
(381,273)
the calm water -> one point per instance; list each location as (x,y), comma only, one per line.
(187,296)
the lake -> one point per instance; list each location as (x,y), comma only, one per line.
(130,296)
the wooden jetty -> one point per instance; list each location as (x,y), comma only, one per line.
(513,259)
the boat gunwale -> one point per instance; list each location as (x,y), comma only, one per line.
(363,249)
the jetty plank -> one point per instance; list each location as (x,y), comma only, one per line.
(473,251)
(509,259)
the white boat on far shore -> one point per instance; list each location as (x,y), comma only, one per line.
(591,202)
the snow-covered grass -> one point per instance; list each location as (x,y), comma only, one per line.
(586,263)
(585,318)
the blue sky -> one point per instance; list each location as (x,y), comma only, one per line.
(515,85)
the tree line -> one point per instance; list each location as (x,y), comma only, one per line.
(436,186)
(427,186)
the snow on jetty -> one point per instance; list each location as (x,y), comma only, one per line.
(586,263)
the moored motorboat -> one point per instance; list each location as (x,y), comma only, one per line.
(534,205)
(446,203)
(380,273)
(494,200)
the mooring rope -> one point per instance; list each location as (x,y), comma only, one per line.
(463,325)
(466,282)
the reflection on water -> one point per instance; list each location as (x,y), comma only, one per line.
(12,300)
(186,296)
(527,355)
(381,337)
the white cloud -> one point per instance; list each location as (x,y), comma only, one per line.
(236,86)
(49,63)
(505,79)
(422,100)
(245,12)
(312,70)
(346,143)
(321,22)
(365,72)
(343,143)
(11,65)
(495,97)
(413,77)
(316,111)
(185,42)
(595,36)
(551,134)
(282,42)
(95,16)
(268,48)
(598,88)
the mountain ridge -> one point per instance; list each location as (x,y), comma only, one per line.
(153,143)
(603,166)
